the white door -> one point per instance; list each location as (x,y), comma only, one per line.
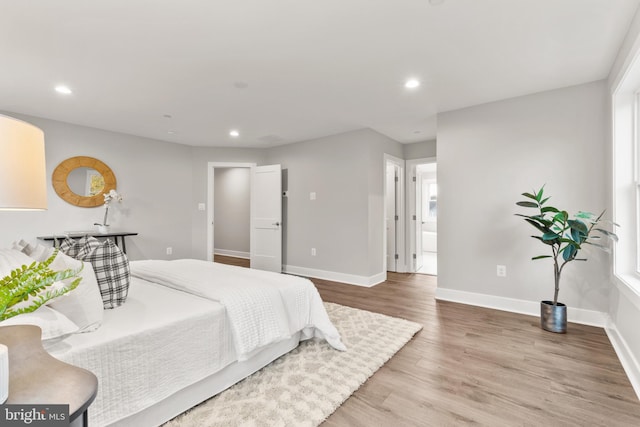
(418,222)
(391,216)
(266,218)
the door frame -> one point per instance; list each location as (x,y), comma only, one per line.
(401,266)
(211,166)
(411,208)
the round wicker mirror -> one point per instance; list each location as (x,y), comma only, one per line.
(99,180)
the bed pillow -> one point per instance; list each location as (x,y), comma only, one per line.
(83,305)
(112,271)
(37,251)
(55,326)
(10,259)
(79,249)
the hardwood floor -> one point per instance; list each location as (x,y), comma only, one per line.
(471,365)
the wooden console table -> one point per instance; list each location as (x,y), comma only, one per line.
(117,235)
(37,378)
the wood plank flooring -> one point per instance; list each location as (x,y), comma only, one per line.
(476,366)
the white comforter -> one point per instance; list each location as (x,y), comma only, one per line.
(262,307)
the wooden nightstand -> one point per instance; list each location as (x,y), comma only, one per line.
(36,377)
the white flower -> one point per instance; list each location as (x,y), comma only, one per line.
(111,195)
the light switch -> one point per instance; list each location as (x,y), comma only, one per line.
(312,195)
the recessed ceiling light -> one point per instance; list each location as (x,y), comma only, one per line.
(63,89)
(234,133)
(172,132)
(412,84)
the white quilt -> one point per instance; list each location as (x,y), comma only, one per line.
(262,307)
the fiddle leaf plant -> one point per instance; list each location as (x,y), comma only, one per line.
(565,236)
(34,281)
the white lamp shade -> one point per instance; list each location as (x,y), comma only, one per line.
(23,180)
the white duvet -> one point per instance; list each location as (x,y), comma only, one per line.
(262,307)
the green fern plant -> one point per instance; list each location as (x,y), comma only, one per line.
(33,281)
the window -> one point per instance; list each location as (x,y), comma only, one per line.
(626,177)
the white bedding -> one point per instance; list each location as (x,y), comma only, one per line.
(262,307)
(138,354)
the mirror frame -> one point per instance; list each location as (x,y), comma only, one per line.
(61,173)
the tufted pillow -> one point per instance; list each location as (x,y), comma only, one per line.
(111,267)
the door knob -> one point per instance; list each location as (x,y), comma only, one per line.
(277,224)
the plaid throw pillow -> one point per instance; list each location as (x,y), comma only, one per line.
(111,266)
(69,247)
(80,248)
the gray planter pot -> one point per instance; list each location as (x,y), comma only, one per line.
(553,318)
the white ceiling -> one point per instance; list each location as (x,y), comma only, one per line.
(311,68)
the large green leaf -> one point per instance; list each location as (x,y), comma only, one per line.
(529,195)
(527,204)
(561,216)
(539,194)
(578,225)
(569,252)
(539,226)
(550,236)
(549,209)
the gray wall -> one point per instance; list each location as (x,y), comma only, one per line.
(346,221)
(154,177)
(487,156)
(419,150)
(231,209)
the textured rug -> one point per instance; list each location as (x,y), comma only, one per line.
(305,386)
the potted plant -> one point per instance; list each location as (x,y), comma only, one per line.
(565,237)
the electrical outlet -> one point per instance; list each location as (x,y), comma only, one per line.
(501,270)
(169,250)
(312,195)
(202,207)
(313,251)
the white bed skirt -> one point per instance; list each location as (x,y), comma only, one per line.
(188,397)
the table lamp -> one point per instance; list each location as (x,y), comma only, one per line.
(23,186)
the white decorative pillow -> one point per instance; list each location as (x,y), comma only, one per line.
(111,266)
(55,326)
(83,305)
(10,259)
(38,251)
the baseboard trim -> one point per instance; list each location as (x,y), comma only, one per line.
(350,279)
(531,308)
(234,254)
(626,357)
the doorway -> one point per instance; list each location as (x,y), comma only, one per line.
(423,212)
(228,209)
(394,258)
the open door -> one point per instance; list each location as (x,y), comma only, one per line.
(266,218)
(419,221)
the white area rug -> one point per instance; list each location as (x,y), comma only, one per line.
(305,386)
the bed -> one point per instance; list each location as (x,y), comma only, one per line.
(173,343)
